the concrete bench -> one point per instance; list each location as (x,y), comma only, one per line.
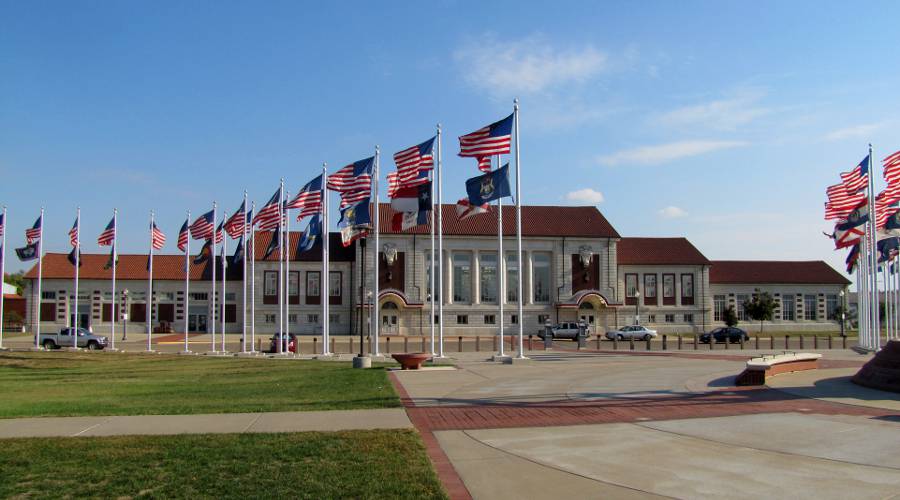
(760,369)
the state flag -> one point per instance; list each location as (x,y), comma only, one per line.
(29,251)
(489,187)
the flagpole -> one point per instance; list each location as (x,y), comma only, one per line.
(323,233)
(150,290)
(521,318)
(77,262)
(280,269)
(244,282)
(286,253)
(377,249)
(433,277)
(874,269)
(187,280)
(212,295)
(2,271)
(224,279)
(440,212)
(39,300)
(253,283)
(113,316)
(500,287)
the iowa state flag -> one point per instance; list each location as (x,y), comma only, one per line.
(412,207)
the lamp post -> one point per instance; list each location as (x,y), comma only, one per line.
(843,314)
(125,316)
(637,305)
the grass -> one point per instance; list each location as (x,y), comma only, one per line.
(352,464)
(34,384)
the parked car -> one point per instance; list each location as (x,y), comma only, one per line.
(631,331)
(85,339)
(564,330)
(732,334)
(287,347)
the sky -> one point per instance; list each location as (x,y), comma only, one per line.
(719,121)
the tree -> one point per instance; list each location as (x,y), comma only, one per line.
(760,308)
(730,317)
(17,280)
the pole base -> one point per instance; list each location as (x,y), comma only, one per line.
(442,360)
(512,360)
(500,358)
(362,362)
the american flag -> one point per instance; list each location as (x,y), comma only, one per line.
(233,225)
(414,159)
(308,199)
(268,216)
(73,234)
(352,197)
(183,236)
(202,228)
(220,233)
(354,177)
(840,202)
(157,238)
(856,179)
(892,168)
(108,235)
(485,142)
(33,233)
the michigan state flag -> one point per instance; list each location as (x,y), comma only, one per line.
(489,187)
(29,252)
(73,260)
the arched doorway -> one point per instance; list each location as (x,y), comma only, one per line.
(390,318)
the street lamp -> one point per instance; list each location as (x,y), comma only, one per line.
(125,316)
(843,314)
(637,305)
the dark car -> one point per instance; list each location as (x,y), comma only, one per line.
(565,330)
(729,333)
(289,340)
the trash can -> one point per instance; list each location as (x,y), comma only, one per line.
(548,335)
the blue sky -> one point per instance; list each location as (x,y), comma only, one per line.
(719,121)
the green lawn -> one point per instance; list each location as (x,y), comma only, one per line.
(77,384)
(353,464)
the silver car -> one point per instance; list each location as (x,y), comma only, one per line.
(631,331)
(565,330)
(85,339)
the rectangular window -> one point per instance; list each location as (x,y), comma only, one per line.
(651,318)
(650,289)
(462,277)
(108,312)
(48,312)
(437,319)
(631,289)
(670,318)
(739,306)
(228,296)
(199,296)
(512,277)
(514,319)
(270,319)
(292,319)
(488,274)
(668,289)
(231,313)
(809,307)
(313,287)
(788,307)
(48,296)
(542,319)
(462,319)
(171,296)
(138,313)
(719,308)
(490,319)
(540,271)
(334,286)
(831,307)
(688,318)
(312,319)
(293,285)
(166,312)
(270,287)
(687,289)
(437,266)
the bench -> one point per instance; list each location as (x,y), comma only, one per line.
(761,368)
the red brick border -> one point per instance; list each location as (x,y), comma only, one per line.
(453,484)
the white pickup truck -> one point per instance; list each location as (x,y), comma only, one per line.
(85,339)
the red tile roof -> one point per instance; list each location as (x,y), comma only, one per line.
(12,296)
(130,267)
(337,252)
(770,271)
(658,251)
(537,220)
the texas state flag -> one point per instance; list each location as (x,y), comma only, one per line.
(411,206)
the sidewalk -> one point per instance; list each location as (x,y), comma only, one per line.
(218,423)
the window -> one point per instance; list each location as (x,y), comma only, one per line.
(313,287)
(788,307)
(462,319)
(108,315)
(718,308)
(490,319)
(809,307)
(831,307)
(292,318)
(270,287)
(437,319)
(462,277)
(230,313)
(138,313)
(230,296)
(650,289)
(437,266)
(270,319)
(171,296)
(688,318)
(670,318)
(668,289)
(334,284)
(739,307)
(512,277)
(334,318)
(48,312)
(199,296)
(48,296)
(543,318)
(651,318)
(312,319)
(631,288)
(540,271)
(293,286)
(687,289)
(514,319)
(488,274)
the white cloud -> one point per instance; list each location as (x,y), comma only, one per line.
(862,130)
(672,212)
(662,153)
(586,195)
(720,114)
(527,65)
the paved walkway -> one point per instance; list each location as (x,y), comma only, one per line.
(219,423)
